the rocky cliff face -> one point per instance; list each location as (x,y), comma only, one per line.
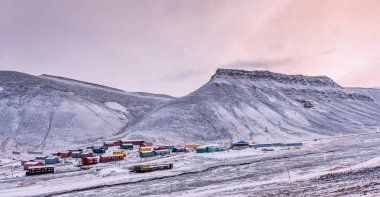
(320,81)
(47,112)
(238,104)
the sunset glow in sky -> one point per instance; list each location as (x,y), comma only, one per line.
(174,46)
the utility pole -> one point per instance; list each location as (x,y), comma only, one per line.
(330,169)
(12,171)
(251,135)
(361,160)
(287,169)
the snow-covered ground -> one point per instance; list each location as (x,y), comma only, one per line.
(353,160)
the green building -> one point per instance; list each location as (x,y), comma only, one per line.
(210,148)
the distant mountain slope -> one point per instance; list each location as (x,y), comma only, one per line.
(235,104)
(38,112)
(374,93)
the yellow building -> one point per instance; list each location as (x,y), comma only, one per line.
(120,152)
(145,149)
(192,146)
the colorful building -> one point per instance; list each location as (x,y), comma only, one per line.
(109,158)
(210,148)
(146,154)
(89,160)
(76,154)
(29,164)
(126,146)
(162,152)
(51,160)
(100,149)
(141,143)
(192,146)
(240,145)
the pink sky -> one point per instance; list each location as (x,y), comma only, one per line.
(174,46)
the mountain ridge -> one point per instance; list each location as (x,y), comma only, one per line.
(44,113)
(39,112)
(278,77)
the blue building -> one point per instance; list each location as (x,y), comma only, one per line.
(51,160)
(240,145)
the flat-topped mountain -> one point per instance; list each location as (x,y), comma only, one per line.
(263,105)
(321,81)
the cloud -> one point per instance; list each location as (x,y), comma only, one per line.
(182,76)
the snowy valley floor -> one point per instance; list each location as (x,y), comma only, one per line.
(339,166)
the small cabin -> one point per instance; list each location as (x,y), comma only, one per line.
(192,146)
(162,152)
(76,154)
(126,146)
(141,143)
(146,154)
(112,143)
(100,149)
(64,154)
(179,149)
(240,145)
(119,152)
(210,148)
(145,149)
(84,155)
(29,164)
(51,160)
(89,160)
(109,158)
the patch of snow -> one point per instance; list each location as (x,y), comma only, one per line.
(116,106)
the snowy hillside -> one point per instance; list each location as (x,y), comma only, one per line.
(55,113)
(47,112)
(374,93)
(238,104)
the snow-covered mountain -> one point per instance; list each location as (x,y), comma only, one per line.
(54,113)
(237,104)
(48,112)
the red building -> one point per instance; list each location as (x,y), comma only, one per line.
(23,162)
(64,154)
(75,150)
(108,158)
(160,148)
(140,143)
(112,143)
(84,155)
(32,164)
(89,160)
